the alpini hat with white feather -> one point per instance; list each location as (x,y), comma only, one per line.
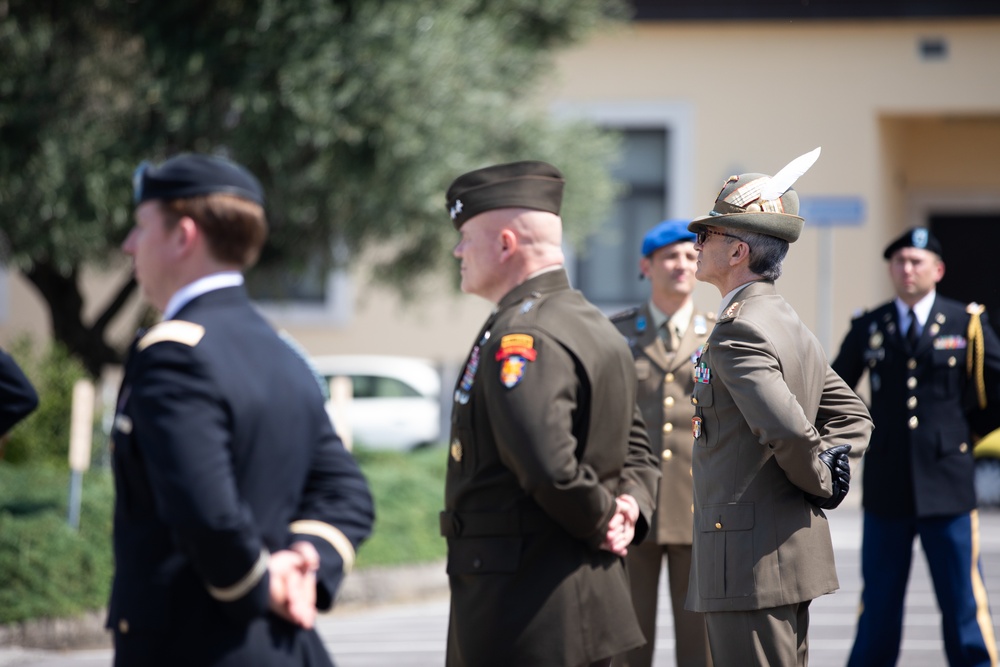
(760,203)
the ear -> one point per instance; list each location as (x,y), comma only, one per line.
(939,272)
(508,244)
(740,252)
(644,266)
(187,235)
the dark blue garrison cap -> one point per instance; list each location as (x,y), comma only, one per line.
(192,175)
(665,233)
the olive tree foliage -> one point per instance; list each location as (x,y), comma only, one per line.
(355,115)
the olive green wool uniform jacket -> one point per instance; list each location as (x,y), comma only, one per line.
(769,403)
(545,435)
(665,385)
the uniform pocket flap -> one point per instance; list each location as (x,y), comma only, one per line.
(484,555)
(731,516)
(702,395)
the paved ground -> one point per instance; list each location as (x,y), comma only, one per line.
(411,634)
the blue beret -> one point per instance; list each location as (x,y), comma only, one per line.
(916,237)
(192,175)
(665,233)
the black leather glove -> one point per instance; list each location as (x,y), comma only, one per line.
(840,469)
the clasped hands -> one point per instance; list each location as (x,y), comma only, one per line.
(835,459)
(621,527)
(293,583)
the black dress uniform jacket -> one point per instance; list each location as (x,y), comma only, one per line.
(17,396)
(223,452)
(920,463)
(545,435)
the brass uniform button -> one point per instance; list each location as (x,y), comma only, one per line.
(913,422)
(952,361)
(669,377)
(668,427)
(964,447)
(911,402)
(123,626)
(456,449)
(667,455)
(718,526)
(911,383)
(694,401)
(911,364)
(668,402)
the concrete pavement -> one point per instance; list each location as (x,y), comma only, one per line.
(398,617)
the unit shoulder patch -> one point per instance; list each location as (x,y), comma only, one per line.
(174,331)
(624,315)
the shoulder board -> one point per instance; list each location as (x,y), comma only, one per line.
(975,308)
(732,311)
(625,315)
(175,331)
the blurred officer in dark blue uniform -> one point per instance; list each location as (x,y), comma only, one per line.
(931,362)
(17,397)
(238,510)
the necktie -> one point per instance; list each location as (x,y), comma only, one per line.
(668,333)
(912,334)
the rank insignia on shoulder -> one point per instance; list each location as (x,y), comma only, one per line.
(516,350)
(176,331)
(732,311)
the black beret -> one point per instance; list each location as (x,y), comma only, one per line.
(192,175)
(916,237)
(530,184)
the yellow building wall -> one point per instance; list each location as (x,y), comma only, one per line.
(895,129)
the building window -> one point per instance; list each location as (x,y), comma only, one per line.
(607,269)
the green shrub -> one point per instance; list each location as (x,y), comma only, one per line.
(48,569)
(409,493)
(43,437)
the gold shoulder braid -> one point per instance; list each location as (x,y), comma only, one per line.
(975,359)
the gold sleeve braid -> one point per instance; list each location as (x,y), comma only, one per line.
(975,359)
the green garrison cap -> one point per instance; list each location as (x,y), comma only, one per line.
(529,184)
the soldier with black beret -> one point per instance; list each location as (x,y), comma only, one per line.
(772,427)
(237,510)
(550,476)
(663,334)
(932,362)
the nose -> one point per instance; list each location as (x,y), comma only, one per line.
(128,245)
(457,251)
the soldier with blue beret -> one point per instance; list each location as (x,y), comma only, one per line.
(932,363)
(238,510)
(663,334)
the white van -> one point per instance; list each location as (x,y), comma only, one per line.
(396,403)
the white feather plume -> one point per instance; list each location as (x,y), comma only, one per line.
(784,179)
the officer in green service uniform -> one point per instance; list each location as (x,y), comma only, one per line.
(663,334)
(550,475)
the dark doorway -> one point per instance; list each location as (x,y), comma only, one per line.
(972,264)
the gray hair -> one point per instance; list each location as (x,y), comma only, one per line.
(766,254)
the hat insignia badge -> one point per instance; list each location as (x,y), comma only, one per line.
(456,209)
(919,238)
